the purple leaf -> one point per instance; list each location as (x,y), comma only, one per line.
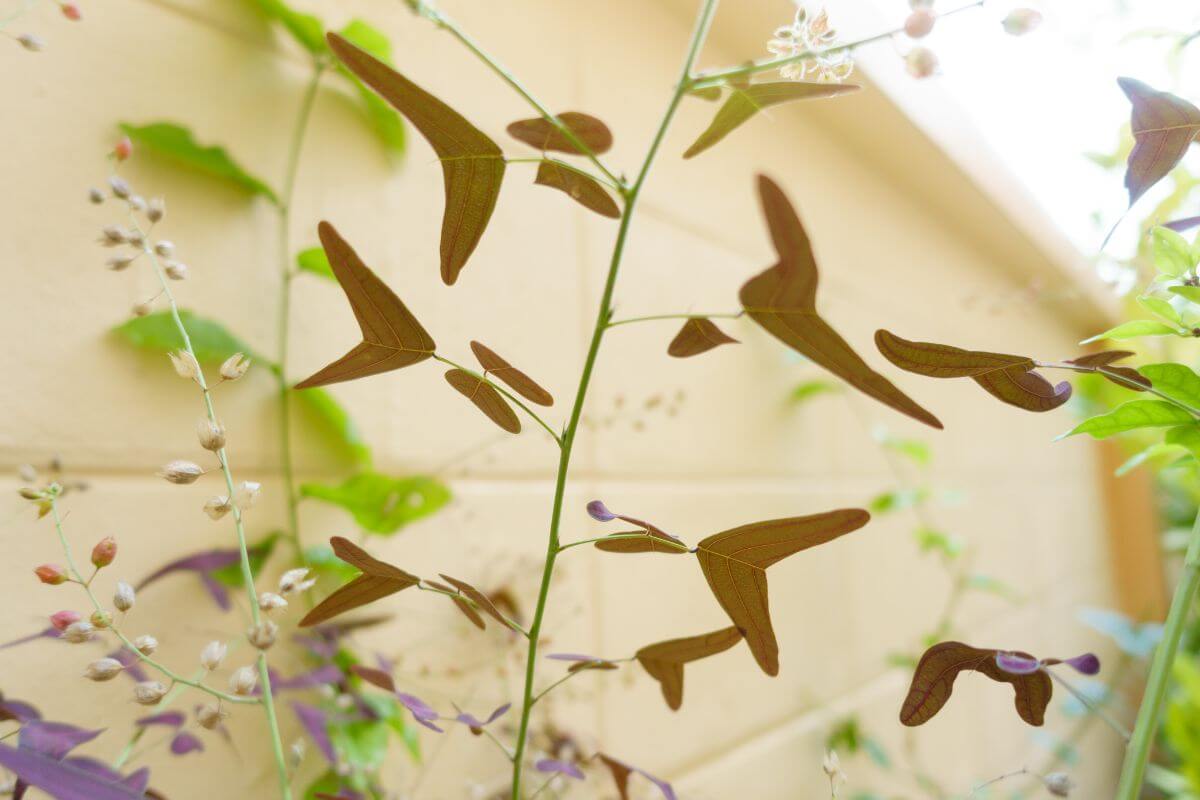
(173,719)
(73,779)
(474,723)
(1017,665)
(621,770)
(138,781)
(421,710)
(16,710)
(185,743)
(1087,664)
(314,719)
(131,663)
(217,591)
(321,676)
(54,739)
(202,564)
(573,657)
(554,766)
(1183,225)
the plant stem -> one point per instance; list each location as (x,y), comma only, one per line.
(603,316)
(1146,728)
(717,315)
(1098,710)
(286,273)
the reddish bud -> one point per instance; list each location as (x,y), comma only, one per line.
(105,552)
(51,574)
(61,620)
(71,12)
(919,23)
(123,149)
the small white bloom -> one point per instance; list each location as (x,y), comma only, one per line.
(243,681)
(210,716)
(212,655)
(181,472)
(156,209)
(148,693)
(295,580)
(262,635)
(146,644)
(217,507)
(269,601)
(79,632)
(247,494)
(186,365)
(235,367)
(104,669)
(833,770)
(811,34)
(124,597)
(1059,784)
(211,434)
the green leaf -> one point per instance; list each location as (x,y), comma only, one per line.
(382,504)
(986,583)
(157,332)
(1134,415)
(1172,253)
(901,498)
(327,784)
(306,29)
(362,743)
(1190,293)
(931,540)
(1135,330)
(1175,381)
(1185,436)
(914,449)
(809,389)
(1159,450)
(336,421)
(386,120)
(315,261)
(1160,308)
(177,143)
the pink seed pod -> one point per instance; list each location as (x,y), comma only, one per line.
(71,12)
(921,62)
(61,620)
(123,149)
(51,574)
(104,553)
(920,23)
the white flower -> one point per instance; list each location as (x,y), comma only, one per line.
(247,494)
(104,669)
(186,365)
(217,507)
(235,367)
(124,596)
(212,655)
(294,580)
(243,681)
(833,769)
(811,35)
(148,693)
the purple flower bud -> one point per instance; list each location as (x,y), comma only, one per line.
(1017,665)
(599,512)
(554,766)
(1087,664)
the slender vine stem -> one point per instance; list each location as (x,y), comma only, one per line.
(653,317)
(1094,708)
(603,317)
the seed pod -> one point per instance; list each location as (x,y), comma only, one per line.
(51,574)
(137,203)
(148,693)
(921,62)
(919,23)
(104,669)
(235,367)
(294,581)
(31,42)
(243,681)
(101,619)
(156,209)
(95,196)
(145,644)
(269,601)
(186,365)
(142,309)
(1021,21)
(104,553)
(175,270)
(297,750)
(211,434)
(118,263)
(217,507)
(60,620)
(1059,784)
(181,472)
(30,494)
(113,235)
(210,716)
(247,494)
(120,188)
(79,632)
(212,655)
(262,635)
(123,597)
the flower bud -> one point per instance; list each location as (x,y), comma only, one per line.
(181,472)
(31,42)
(209,716)
(269,601)
(104,669)
(113,235)
(30,494)
(247,494)
(71,12)
(118,263)
(145,644)
(175,270)
(186,365)
(123,149)
(137,239)
(124,596)
(120,188)
(104,553)
(156,209)
(142,309)
(263,634)
(62,619)
(217,507)
(137,203)
(148,693)
(1021,21)
(51,574)
(235,367)
(212,655)
(921,62)
(211,434)
(243,681)
(79,632)
(101,619)
(95,196)
(919,23)
(1059,784)
(164,248)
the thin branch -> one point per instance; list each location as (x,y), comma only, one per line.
(697,315)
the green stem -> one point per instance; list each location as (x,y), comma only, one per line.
(284,208)
(1146,727)
(1098,710)
(511,398)
(603,316)
(717,315)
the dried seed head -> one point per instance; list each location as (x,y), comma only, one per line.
(295,580)
(62,619)
(1059,784)
(919,23)
(247,494)
(181,472)
(212,655)
(243,680)
(210,716)
(31,42)
(263,634)
(104,553)
(1021,21)
(164,248)
(120,188)
(71,12)
(921,62)
(148,693)
(137,203)
(142,309)
(30,494)
(269,601)
(145,644)
(156,209)
(51,574)
(235,367)
(137,239)
(101,619)
(95,196)
(124,596)
(186,365)
(104,669)
(175,270)
(118,263)
(211,434)
(123,149)
(217,507)
(297,751)
(79,632)
(113,235)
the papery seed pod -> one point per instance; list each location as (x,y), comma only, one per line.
(915,4)
(31,494)
(175,270)
(31,42)
(269,601)
(156,209)
(124,596)
(79,632)
(51,574)
(1059,784)
(294,580)
(71,12)
(148,693)
(186,365)
(209,716)
(243,681)
(262,635)
(247,494)
(181,472)
(123,149)
(141,309)
(95,196)
(217,507)
(921,62)
(212,655)
(919,23)
(164,248)
(104,553)
(27,473)
(101,619)
(145,644)
(61,620)
(137,203)
(211,434)
(104,669)
(235,367)
(1021,21)
(137,239)
(297,751)
(118,263)
(113,235)
(120,188)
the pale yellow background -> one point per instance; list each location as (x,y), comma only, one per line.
(906,241)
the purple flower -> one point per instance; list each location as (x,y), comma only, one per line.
(1017,665)
(173,719)
(556,767)
(1014,664)
(314,721)
(1086,664)
(599,512)
(474,723)
(421,710)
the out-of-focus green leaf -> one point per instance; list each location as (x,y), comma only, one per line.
(1135,329)
(327,784)
(321,559)
(177,143)
(314,260)
(1131,416)
(1185,436)
(810,389)
(258,553)
(1172,253)
(930,540)
(337,422)
(899,499)
(383,117)
(986,583)
(1160,308)
(1160,451)
(307,30)
(1175,381)
(382,504)
(1191,293)
(361,742)
(157,332)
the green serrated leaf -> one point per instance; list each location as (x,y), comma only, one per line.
(336,421)
(314,260)
(1135,329)
(1160,308)
(1172,253)
(177,143)
(1176,381)
(381,504)
(1134,415)
(158,332)
(385,119)
(306,29)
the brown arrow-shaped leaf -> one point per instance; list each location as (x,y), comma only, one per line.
(378,580)
(472,164)
(698,335)
(392,337)
(461,603)
(1163,127)
(783,301)
(375,677)
(486,399)
(1102,364)
(544,135)
(521,383)
(581,188)
(746,101)
(1006,377)
(933,682)
(664,660)
(481,600)
(735,564)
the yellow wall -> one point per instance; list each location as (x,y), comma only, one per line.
(732,450)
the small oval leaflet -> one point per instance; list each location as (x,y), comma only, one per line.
(544,135)
(698,335)
(378,580)
(583,189)
(485,397)
(521,383)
